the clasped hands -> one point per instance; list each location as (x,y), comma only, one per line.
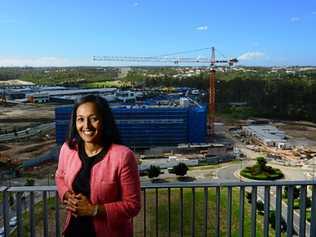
(78,204)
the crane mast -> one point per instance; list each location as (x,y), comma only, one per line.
(212,93)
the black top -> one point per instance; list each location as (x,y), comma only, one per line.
(82,225)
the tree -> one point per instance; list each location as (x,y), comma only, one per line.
(261,164)
(249,197)
(29,182)
(260,206)
(153,171)
(11,199)
(179,169)
(296,192)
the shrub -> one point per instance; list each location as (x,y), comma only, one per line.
(261,172)
(153,171)
(179,169)
(249,196)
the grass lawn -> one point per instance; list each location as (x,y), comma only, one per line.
(199,214)
(106,84)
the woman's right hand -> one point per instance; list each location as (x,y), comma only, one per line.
(71,202)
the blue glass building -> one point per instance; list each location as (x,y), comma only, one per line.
(148,127)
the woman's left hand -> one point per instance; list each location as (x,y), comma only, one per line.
(84,206)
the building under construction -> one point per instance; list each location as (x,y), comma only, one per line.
(144,127)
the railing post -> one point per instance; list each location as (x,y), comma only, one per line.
(290,196)
(45,213)
(5,209)
(144,208)
(31,207)
(303,193)
(218,206)
(57,215)
(19,214)
(313,212)
(205,211)
(241,211)
(169,212)
(266,211)
(156,207)
(181,212)
(278,211)
(193,213)
(229,211)
(253,211)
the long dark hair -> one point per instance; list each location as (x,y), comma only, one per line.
(110,133)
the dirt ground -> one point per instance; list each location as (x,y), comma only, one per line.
(297,129)
(21,116)
(17,152)
(301,133)
(15,117)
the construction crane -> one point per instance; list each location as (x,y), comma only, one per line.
(213,62)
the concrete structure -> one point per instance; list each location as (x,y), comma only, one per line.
(266,134)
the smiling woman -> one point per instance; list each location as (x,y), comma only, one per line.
(97,178)
(88,124)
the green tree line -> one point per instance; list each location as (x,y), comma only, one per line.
(293,99)
(273,95)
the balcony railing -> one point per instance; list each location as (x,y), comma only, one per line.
(181,209)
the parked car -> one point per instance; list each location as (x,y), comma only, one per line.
(13,221)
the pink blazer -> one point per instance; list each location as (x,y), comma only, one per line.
(114,183)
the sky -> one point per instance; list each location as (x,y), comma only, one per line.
(71,32)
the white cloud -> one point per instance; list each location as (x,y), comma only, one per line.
(135,4)
(42,62)
(248,56)
(201,28)
(295,19)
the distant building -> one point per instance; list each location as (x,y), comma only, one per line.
(126,96)
(38,98)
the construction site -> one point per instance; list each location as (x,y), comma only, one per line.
(34,121)
(286,143)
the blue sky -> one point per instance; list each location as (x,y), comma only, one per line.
(65,33)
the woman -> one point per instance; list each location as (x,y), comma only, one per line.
(97,179)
